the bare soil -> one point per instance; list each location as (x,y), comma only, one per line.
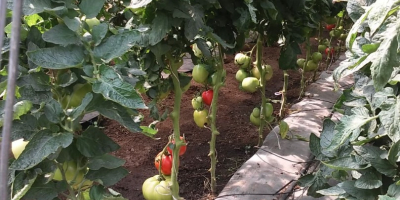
(235,144)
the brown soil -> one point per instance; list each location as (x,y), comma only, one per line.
(235,144)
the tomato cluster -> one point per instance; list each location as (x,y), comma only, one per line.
(255,116)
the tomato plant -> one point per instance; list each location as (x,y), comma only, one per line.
(207,97)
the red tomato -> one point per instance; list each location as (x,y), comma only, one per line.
(329,27)
(182,150)
(330,51)
(166,163)
(207,97)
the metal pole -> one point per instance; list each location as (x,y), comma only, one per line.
(8,115)
(3,10)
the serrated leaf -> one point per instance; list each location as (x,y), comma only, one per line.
(318,183)
(345,127)
(369,180)
(57,57)
(62,35)
(24,128)
(344,163)
(66,79)
(159,28)
(107,177)
(378,14)
(394,151)
(252,11)
(114,111)
(194,24)
(390,118)
(45,191)
(78,111)
(315,147)
(36,97)
(93,142)
(373,156)
(332,191)
(39,81)
(30,7)
(107,161)
(117,45)
(327,135)
(364,194)
(53,111)
(91,7)
(113,88)
(99,32)
(39,147)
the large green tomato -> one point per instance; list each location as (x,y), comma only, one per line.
(269,109)
(200,73)
(256,112)
(311,66)
(268,72)
(250,84)
(242,60)
(197,103)
(71,170)
(300,62)
(321,47)
(75,99)
(18,146)
(255,120)
(200,117)
(316,57)
(241,74)
(155,189)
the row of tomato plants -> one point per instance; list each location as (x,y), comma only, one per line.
(85,56)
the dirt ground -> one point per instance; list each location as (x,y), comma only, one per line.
(235,144)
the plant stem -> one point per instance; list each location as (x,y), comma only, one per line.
(175,115)
(213,119)
(259,54)
(319,41)
(284,89)
(303,85)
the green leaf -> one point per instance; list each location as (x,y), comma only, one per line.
(385,197)
(327,135)
(72,23)
(369,180)
(107,161)
(373,155)
(22,185)
(194,24)
(117,45)
(57,57)
(363,194)
(97,192)
(20,108)
(99,32)
(394,190)
(40,146)
(283,129)
(344,163)
(113,88)
(270,7)
(288,57)
(53,111)
(36,97)
(315,147)
(345,128)
(107,177)
(67,79)
(378,14)
(62,35)
(394,151)
(382,66)
(390,118)
(30,7)
(222,42)
(93,142)
(39,81)
(332,191)
(159,28)
(114,111)
(31,20)
(319,183)
(24,128)
(45,191)
(91,7)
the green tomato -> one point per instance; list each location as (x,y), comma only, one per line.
(155,189)
(268,72)
(254,120)
(242,60)
(316,57)
(321,48)
(311,66)
(18,146)
(92,22)
(75,99)
(85,185)
(300,62)
(212,80)
(197,102)
(241,74)
(70,169)
(250,84)
(370,48)
(269,109)
(196,50)
(200,117)
(343,36)
(200,73)
(256,112)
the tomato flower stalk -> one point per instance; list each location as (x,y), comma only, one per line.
(213,119)
(175,115)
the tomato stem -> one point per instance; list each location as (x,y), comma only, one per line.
(259,53)
(175,115)
(283,99)
(302,82)
(213,117)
